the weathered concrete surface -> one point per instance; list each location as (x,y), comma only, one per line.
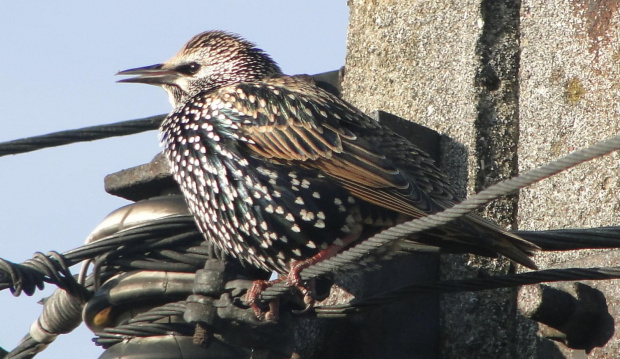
(569,91)
(451,66)
(570,86)
(512,85)
(402,59)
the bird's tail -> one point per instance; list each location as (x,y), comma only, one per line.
(505,242)
(474,234)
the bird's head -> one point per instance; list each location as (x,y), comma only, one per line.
(208,61)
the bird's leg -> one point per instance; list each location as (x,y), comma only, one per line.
(294,275)
(258,286)
(296,267)
(294,279)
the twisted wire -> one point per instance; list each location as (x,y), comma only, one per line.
(54,267)
(354,254)
(85,134)
(343,259)
(158,240)
(570,239)
(472,285)
(34,273)
(26,349)
(61,314)
(144,325)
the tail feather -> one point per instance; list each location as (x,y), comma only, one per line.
(474,234)
(503,241)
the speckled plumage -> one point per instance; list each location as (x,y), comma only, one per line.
(277,170)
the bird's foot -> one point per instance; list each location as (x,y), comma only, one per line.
(294,273)
(258,286)
(306,289)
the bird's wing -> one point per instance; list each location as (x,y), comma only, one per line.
(289,120)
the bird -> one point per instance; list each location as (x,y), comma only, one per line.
(282,174)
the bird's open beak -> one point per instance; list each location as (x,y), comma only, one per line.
(152,75)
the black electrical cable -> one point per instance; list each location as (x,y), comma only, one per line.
(571,239)
(472,285)
(144,325)
(85,134)
(161,245)
(354,254)
(53,268)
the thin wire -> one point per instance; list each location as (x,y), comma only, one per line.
(176,232)
(145,324)
(354,254)
(472,285)
(472,203)
(571,239)
(85,134)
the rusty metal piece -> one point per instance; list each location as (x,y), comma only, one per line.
(202,336)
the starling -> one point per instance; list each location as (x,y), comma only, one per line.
(281,174)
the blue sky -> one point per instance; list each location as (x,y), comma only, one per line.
(57,69)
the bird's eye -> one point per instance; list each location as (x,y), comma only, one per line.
(189,69)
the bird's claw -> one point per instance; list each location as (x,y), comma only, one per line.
(308,301)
